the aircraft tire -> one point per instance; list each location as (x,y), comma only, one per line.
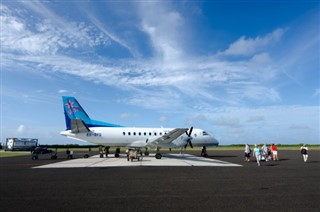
(34,158)
(146,153)
(116,155)
(158,156)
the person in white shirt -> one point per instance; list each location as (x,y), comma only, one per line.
(304,152)
(247,153)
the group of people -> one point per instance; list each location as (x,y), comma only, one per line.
(266,154)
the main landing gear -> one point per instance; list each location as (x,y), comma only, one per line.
(146,153)
(204,152)
(117,153)
(158,154)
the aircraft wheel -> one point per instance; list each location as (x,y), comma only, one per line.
(205,155)
(146,153)
(158,156)
(34,158)
(116,155)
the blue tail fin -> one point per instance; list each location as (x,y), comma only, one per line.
(73,110)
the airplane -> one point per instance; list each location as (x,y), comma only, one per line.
(80,126)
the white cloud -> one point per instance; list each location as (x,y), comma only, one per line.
(163,119)
(165,30)
(22,129)
(48,35)
(248,46)
(62,91)
(154,82)
(261,58)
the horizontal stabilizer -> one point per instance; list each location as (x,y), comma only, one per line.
(78,126)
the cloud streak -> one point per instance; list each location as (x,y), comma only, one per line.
(171,66)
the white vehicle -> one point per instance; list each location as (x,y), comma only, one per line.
(21,144)
(79,126)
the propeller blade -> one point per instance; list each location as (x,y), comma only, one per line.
(189,139)
(190,132)
(190,144)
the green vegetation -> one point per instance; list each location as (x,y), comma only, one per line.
(12,154)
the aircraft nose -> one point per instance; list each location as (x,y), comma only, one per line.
(215,141)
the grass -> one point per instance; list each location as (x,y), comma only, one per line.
(12,154)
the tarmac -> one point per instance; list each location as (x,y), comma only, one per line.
(122,161)
(46,185)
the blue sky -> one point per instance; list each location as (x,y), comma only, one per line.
(247,71)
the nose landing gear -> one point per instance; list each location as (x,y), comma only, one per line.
(204,152)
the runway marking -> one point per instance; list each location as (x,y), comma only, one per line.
(167,160)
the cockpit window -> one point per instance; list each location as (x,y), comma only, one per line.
(204,133)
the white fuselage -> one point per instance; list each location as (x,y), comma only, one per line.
(139,137)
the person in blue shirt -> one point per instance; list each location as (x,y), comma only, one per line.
(257,153)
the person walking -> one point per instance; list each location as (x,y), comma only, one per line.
(247,153)
(304,152)
(274,152)
(257,153)
(265,150)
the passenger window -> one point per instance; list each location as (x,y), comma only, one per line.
(129,133)
(139,133)
(155,134)
(134,133)
(124,133)
(161,133)
(150,133)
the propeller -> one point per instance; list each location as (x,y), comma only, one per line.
(189,138)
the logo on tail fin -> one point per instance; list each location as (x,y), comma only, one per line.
(71,108)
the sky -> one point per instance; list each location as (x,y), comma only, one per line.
(244,71)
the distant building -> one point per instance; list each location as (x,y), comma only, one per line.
(20,144)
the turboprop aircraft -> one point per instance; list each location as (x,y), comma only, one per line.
(80,126)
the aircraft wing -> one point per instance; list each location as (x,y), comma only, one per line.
(78,126)
(165,139)
(169,137)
